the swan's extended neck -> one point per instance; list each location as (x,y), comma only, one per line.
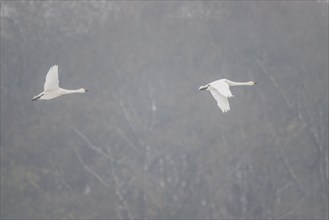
(69,91)
(232,83)
(204,87)
(37,96)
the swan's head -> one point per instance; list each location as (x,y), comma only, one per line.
(203,87)
(83,90)
(253,83)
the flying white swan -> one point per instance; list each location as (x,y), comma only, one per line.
(51,87)
(220,89)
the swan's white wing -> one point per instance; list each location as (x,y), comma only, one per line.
(222,101)
(222,87)
(52,82)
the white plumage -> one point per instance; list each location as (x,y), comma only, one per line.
(51,86)
(220,89)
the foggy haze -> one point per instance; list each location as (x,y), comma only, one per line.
(144,143)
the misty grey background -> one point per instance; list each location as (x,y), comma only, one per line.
(144,142)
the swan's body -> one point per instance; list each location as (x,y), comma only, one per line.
(51,86)
(220,89)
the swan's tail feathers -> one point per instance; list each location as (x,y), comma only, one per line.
(37,97)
